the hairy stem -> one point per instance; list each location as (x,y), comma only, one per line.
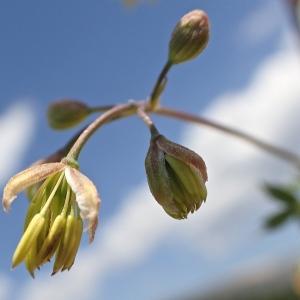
(159,85)
(142,108)
(147,120)
(101,108)
(274,150)
(118,111)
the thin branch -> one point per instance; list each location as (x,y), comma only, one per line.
(159,85)
(147,120)
(118,111)
(274,150)
(142,108)
(101,108)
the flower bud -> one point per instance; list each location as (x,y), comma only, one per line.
(189,37)
(31,261)
(28,239)
(75,245)
(52,240)
(67,113)
(176,177)
(65,246)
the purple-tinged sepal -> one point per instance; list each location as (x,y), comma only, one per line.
(176,177)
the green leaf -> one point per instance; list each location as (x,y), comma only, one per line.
(278,219)
(281,194)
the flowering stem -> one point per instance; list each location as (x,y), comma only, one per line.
(147,120)
(100,108)
(118,111)
(159,85)
(142,108)
(274,150)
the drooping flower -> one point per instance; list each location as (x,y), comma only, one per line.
(54,157)
(176,177)
(54,222)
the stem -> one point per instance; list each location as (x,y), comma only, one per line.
(159,85)
(118,111)
(147,120)
(125,110)
(274,150)
(100,108)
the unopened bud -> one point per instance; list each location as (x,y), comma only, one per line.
(28,239)
(65,246)
(189,37)
(176,177)
(52,240)
(75,245)
(30,261)
(67,113)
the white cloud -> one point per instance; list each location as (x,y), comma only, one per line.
(5,287)
(248,274)
(265,20)
(16,129)
(269,108)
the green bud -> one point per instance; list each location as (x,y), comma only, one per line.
(31,260)
(67,113)
(189,37)
(52,240)
(28,239)
(176,177)
(40,197)
(65,246)
(75,245)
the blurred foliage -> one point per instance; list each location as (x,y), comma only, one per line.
(281,295)
(295,10)
(287,196)
(268,292)
(280,284)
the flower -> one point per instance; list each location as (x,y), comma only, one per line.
(67,113)
(189,37)
(55,216)
(176,177)
(56,156)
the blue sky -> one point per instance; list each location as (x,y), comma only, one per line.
(103,52)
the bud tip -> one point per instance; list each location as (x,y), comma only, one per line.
(189,37)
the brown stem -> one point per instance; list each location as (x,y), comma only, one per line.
(101,108)
(116,112)
(141,112)
(274,150)
(125,110)
(159,85)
